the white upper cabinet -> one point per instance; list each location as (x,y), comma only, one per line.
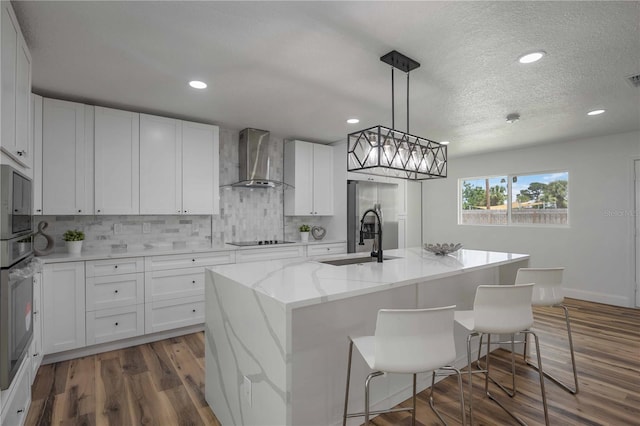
(308,167)
(160,165)
(117,161)
(15,76)
(66,158)
(36,144)
(178,167)
(200,168)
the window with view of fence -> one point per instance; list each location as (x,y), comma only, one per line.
(528,199)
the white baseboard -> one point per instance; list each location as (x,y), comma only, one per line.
(597,297)
(120,344)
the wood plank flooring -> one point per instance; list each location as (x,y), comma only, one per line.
(162,383)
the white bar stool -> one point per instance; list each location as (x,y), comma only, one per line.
(406,341)
(499,309)
(547,291)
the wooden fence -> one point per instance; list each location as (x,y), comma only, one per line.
(518,217)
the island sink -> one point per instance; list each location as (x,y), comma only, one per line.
(355,260)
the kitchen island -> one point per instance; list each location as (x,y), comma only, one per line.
(276,332)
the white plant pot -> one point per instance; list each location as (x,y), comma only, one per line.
(304,237)
(74,247)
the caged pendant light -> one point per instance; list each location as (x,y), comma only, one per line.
(385,151)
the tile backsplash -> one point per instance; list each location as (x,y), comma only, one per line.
(245,214)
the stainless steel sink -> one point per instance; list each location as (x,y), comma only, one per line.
(355,260)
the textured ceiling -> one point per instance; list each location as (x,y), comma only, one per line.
(300,69)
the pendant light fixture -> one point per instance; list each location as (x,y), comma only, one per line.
(385,151)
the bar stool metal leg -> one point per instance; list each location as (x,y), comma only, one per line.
(460,387)
(511,392)
(573,358)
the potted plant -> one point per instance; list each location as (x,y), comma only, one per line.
(73,240)
(23,244)
(304,233)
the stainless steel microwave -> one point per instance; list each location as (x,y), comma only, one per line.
(16,200)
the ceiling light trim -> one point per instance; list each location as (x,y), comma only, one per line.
(532,57)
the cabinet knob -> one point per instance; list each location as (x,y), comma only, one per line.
(116,291)
(99,211)
(194,310)
(39,210)
(20,411)
(184,211)
(193,282)
(116,324)
(315,212)
(193,260)
(116,266)
(36,354)
(21,153)
(35,313)
(79,211)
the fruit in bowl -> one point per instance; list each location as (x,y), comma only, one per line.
(442,249)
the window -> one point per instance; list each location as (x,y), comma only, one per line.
(535,199)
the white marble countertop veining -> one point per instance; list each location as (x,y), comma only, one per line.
(160,250)
(297,283)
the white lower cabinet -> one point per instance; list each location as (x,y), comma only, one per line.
(114,291)
(169,314)
(17,399)
(36,342)
(107,325)
(174,283)
(63,306)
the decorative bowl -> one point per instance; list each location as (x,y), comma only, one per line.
(442,249)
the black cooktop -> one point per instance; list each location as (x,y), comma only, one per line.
(259,243)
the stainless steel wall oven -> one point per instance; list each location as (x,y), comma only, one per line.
(16,272)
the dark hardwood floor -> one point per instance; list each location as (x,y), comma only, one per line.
(163,383)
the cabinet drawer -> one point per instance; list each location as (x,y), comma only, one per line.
(324,249)
(172,284)
(107,325)
(100,268)
(170,314)
(16,406)
(253,255)
(114,291)
(159,263)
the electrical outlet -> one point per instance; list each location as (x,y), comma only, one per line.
(117,228)
(146,228)
(246,390)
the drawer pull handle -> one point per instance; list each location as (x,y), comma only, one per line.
(21,410)
(116,324)
(36,354)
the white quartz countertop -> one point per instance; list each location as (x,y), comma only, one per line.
(165,250)
(297,283)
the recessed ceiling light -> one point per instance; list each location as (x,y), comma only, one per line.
(596,112)
(444,143)
(513,117)
(353,121)
(198,84)
(531,57)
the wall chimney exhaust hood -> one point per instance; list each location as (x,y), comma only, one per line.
(255,163)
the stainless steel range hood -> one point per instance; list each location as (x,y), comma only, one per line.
(255,163)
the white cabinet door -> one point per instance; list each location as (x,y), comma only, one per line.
(200,169)
(308,168)
(36,343)
(63,306)
(322,180)
(117,162)
(8,77)
(23,104)
(64,165)
(160,165)
(36,136)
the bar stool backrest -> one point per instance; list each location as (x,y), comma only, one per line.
(414,340)
(503,308)
(547,290)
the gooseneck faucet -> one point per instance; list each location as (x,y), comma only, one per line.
(373,253)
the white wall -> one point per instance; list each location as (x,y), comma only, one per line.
(597,247)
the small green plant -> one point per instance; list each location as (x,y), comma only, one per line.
(73,235)
(305,228)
